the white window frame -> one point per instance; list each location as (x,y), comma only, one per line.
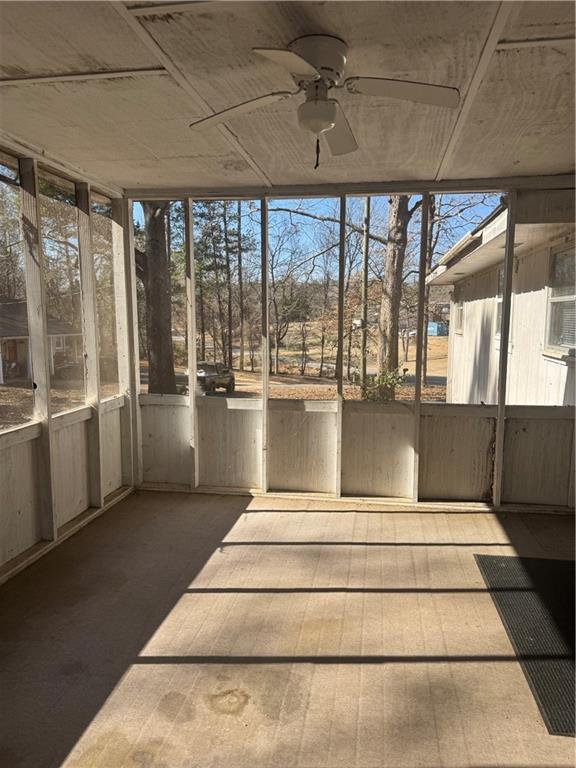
(556,350)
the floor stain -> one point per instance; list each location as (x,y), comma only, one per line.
(273,694)
(113,748)
(232,701)
(176,707)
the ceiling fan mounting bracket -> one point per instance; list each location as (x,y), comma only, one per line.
(324,52)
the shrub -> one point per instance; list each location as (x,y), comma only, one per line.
(383,386)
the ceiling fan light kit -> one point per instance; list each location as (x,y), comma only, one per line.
(317,64)
(318,113)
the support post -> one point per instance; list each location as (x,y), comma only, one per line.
(364,320)
(38,342)
(424,241)
(191,332)
(503,354)
(265,346)
(90,341)
(134,355)
(120,225)
(340,348)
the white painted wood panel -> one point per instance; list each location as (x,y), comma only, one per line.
(70,470)
(537,461)
(111,442)
(473,354)
(19,512)
(377,449)
(302,446)
(534,377)
(456,455)
(166,450)
(230,442)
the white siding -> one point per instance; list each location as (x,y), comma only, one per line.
(473,354)
(534,378)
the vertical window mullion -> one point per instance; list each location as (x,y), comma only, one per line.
(39,343)
(90,342)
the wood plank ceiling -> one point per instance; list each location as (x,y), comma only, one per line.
(509,61)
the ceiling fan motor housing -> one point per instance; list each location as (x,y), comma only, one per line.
(325,52)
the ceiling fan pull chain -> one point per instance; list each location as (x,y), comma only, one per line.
(317,152)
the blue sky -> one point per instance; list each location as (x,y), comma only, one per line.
(477,207)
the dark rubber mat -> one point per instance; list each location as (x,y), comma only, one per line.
(535,600)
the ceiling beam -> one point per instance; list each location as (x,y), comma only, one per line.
(501,184)
(535,42)
(187,87)
(494,35)
(74,76)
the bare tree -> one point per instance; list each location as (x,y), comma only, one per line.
(399,216)
(241,287)
(155,273)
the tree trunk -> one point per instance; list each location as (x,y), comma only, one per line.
(202,318)
(398,219)
(215,352)
(364,325)
(349,354)
(158,294)
(277,354)
(405,344)
(303,348)
(228,286)
(216,269)
(240,286)
(427,289)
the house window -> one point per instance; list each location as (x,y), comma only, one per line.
(459,317)
(561,329)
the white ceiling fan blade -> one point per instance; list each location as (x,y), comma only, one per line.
(239,109)
(423,93)
(291,61)
(340,139)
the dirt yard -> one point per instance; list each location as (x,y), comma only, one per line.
(17,402)
(293,386)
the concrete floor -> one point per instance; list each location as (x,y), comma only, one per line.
(182,631)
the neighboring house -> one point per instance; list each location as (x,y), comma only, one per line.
(543,321)
(65,342)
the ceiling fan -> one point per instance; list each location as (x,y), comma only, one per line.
(316,63)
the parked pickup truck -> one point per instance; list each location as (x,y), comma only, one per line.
(212,376)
